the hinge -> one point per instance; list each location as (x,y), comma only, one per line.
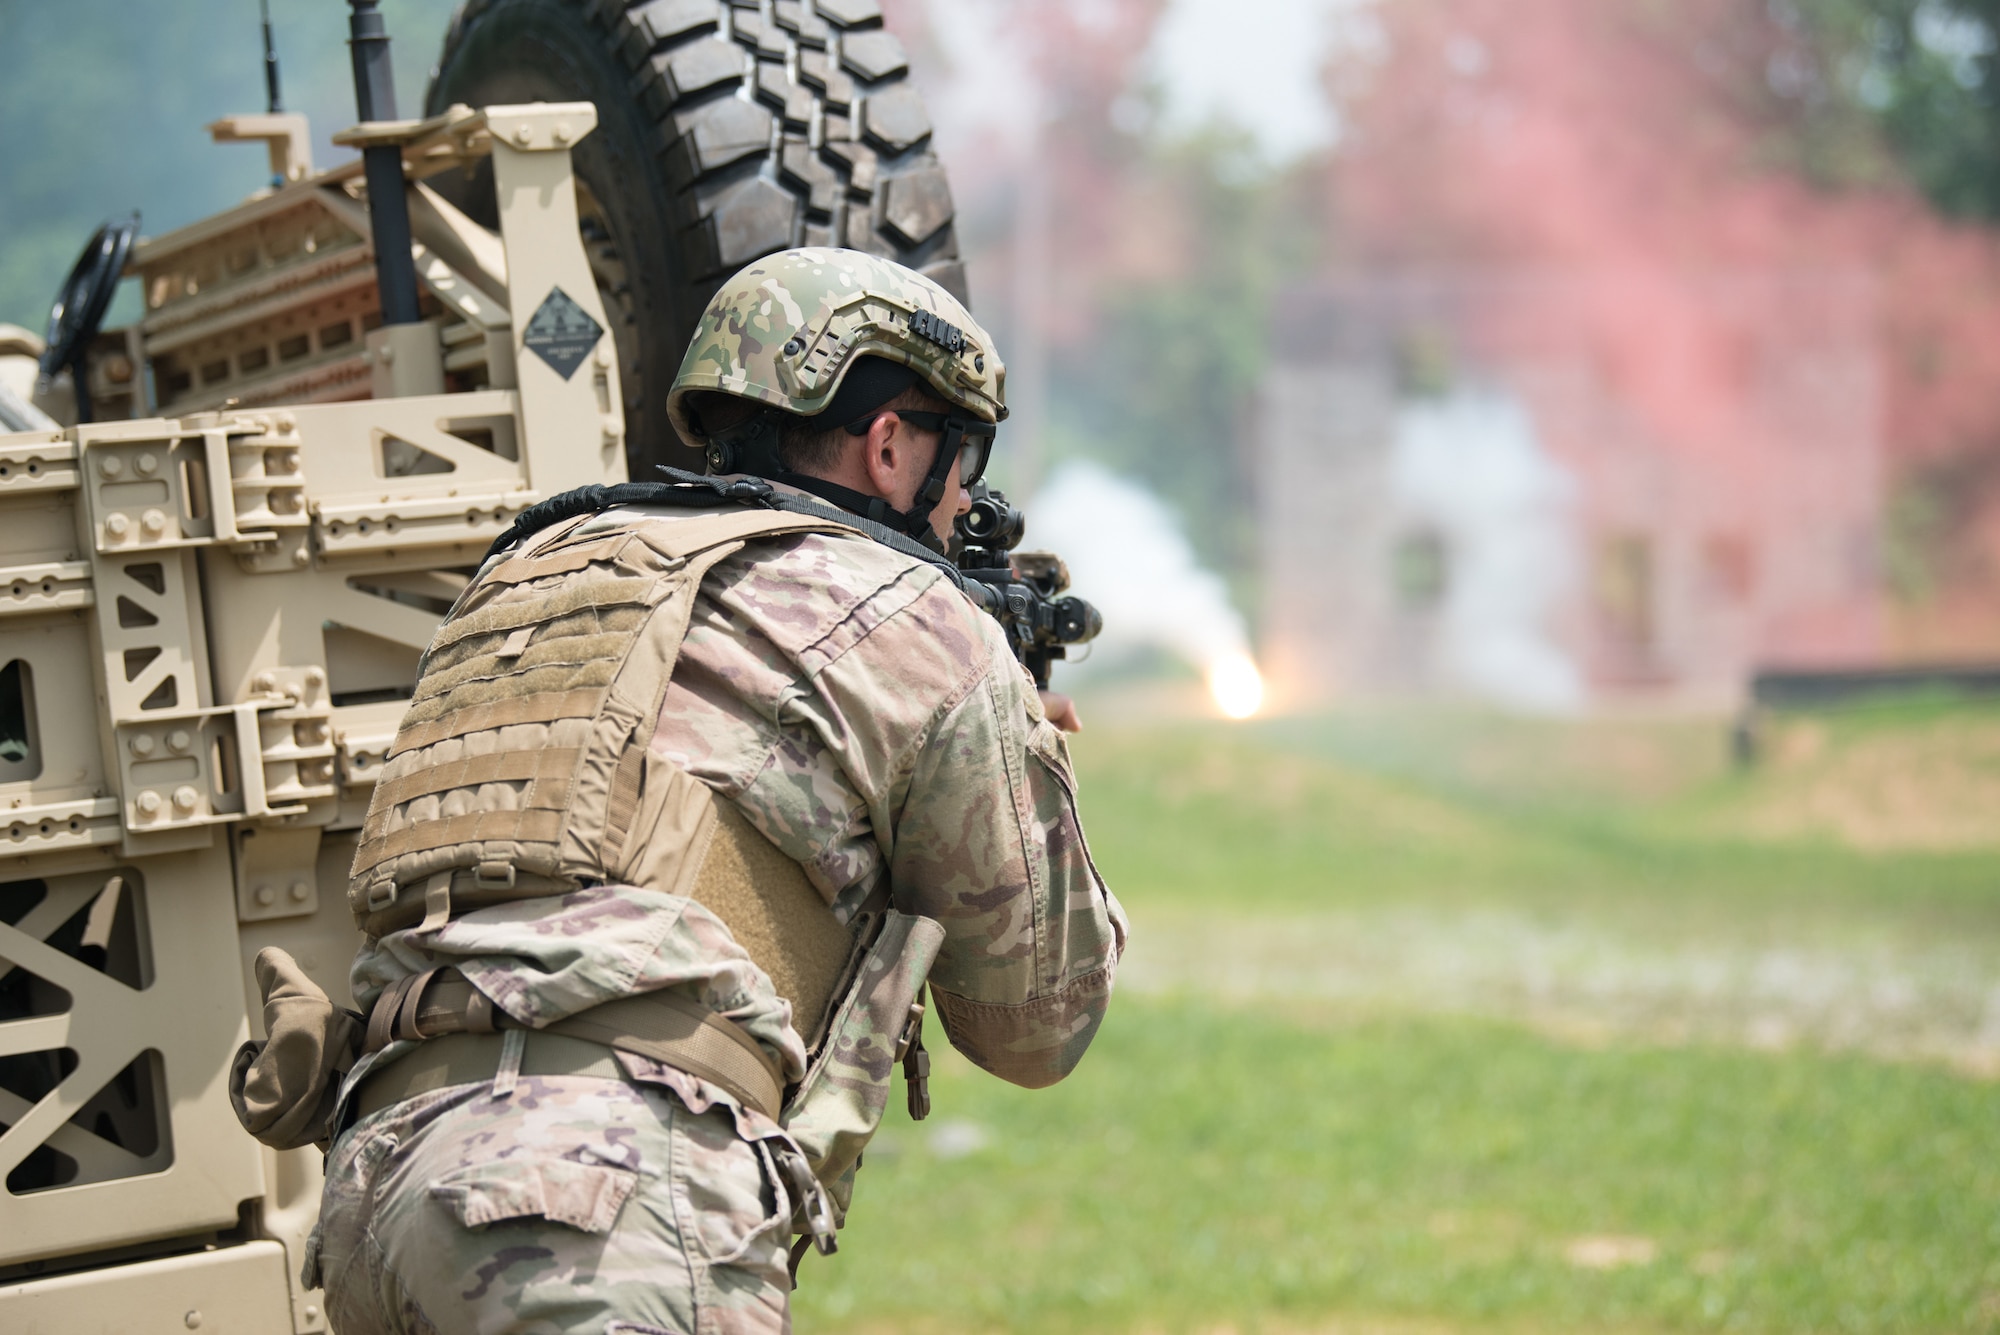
(265,758)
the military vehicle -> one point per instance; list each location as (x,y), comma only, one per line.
(228,529)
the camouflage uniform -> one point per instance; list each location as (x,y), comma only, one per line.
(573,1204)
(870,722)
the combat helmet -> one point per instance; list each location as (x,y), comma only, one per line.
(834,334)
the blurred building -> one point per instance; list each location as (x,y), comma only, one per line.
(1469,491)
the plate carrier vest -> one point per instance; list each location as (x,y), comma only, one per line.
(522,769)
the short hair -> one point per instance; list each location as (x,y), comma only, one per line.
(806,446)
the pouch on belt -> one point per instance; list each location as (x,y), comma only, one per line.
(283,1088)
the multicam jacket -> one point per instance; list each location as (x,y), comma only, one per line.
(870,722)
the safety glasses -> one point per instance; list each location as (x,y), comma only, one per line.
(975,438)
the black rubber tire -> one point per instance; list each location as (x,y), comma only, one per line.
(727,129)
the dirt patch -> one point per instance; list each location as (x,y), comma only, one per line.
(1606,1252)
(1931,787)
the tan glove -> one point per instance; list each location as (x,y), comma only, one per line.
(283,1090)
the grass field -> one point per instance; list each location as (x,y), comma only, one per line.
(1441,1024)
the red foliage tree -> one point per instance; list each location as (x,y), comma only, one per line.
(1644,144)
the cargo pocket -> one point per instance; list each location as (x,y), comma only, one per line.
(583,1196)
(1046,742)
(732,1195)
(1046,745)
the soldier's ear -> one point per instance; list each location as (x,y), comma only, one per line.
(884,452)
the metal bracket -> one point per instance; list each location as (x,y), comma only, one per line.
(227,481)
(277,872)
(263,759)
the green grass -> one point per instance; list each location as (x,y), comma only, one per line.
(1206,1167)
(1297,1162)
(1305,818)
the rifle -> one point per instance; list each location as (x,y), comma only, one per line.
(1021,590)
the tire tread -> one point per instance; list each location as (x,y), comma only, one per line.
(774,123)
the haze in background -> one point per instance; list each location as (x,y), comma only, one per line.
(1260,68)
(1140,181)
(1051,117)
(1735,260)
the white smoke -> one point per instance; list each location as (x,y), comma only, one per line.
(1266,77)
(1469,467)
(1206,61)
(1128,553)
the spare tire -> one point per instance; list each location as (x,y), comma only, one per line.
(725,131)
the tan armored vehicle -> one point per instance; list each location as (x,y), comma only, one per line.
(228,529)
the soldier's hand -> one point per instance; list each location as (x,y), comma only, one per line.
(1061,711)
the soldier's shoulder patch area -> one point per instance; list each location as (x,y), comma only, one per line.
(561,333)
(870,559)
(801,589)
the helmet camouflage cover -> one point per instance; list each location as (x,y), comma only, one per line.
(785,330)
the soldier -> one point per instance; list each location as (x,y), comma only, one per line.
(691,802)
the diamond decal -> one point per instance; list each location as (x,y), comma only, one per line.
(562,333)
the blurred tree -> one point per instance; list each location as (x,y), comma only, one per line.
(1126,268)
(104,103)
(1926,73)
(1725,137)
(1163,385)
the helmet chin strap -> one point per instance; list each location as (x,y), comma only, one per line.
(753,449)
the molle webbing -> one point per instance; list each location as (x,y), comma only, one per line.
(542,708)
(522,747)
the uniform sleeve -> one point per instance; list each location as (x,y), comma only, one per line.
(989,844)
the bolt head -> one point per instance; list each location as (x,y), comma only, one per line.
(116,527)
(265,896)
(315,676)
(178,740)
(185,798)
(286,424)
(142,745)
(147,464)
(154,522)
(300,892)
(192,1320)
(264,683)
(149,803)
(110,465)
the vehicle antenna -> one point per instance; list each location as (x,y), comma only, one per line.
(382,164)
(275,102)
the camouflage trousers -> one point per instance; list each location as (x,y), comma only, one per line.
(574,1204)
